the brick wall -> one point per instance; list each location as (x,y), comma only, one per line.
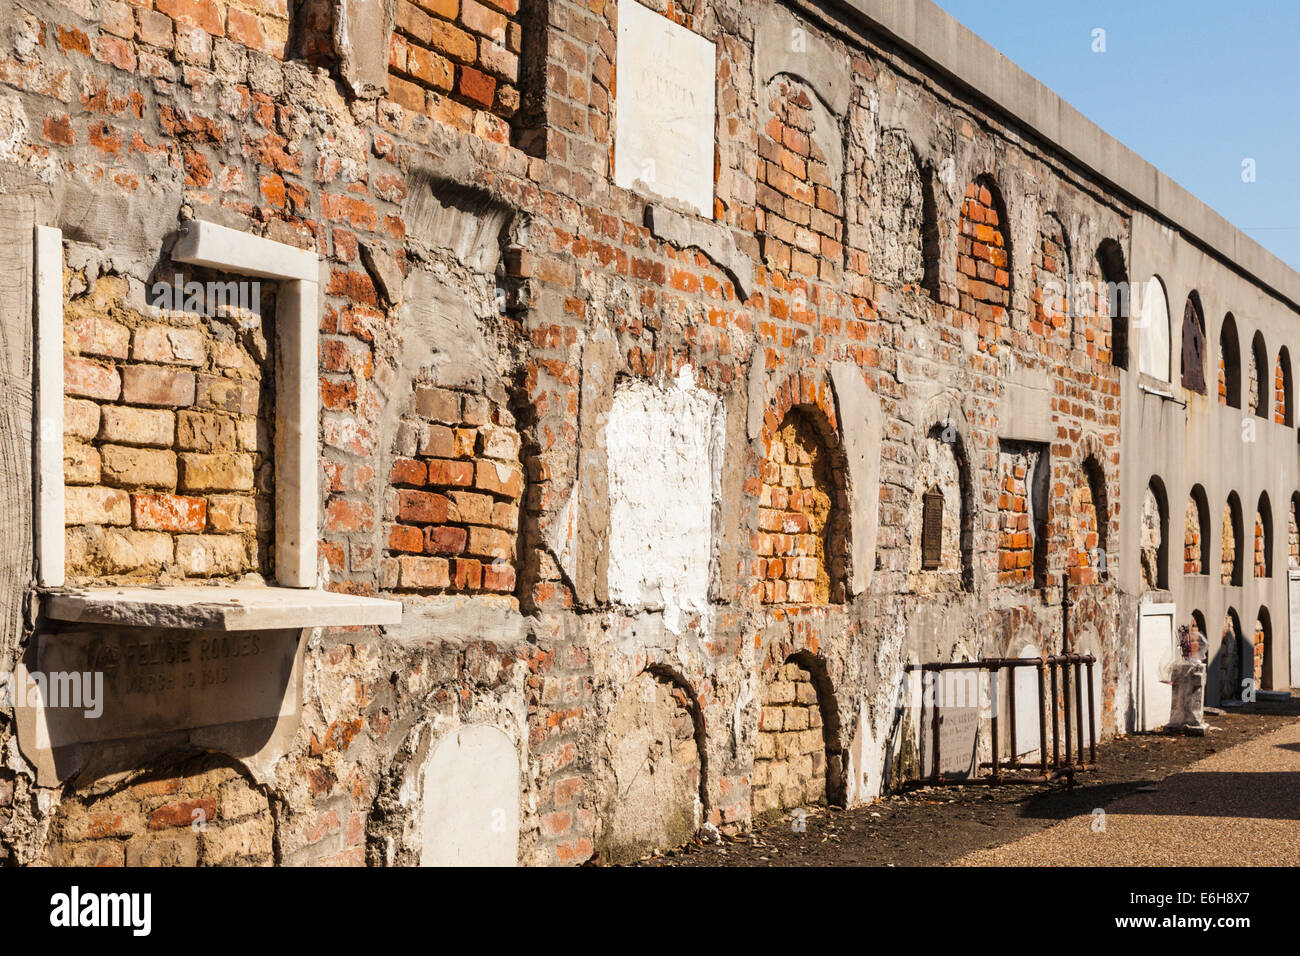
(453,511)
(799,542)
(1151,540)
(1192,543)
(1260,549)
(1254,383)
(1228,564)
(1259,645)
(790,762)
(1085,559)
(447,55)
(799,205)
(1022,506)
(984,279)
(1281,413)
(1051,271)
(202,813)
(168,435)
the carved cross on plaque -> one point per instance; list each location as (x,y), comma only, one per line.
(931,529)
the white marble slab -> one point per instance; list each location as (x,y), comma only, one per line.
(219,608)
(664,105)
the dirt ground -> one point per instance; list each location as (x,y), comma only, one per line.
(933,826)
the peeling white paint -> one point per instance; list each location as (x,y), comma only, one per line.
(665,448)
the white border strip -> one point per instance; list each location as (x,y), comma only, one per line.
(48,272)
(297,385)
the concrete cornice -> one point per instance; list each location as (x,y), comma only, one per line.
(932,35)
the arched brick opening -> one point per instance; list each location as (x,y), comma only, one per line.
(800,179)
(655,791)
(1193,349)
(942,472)
(800,756)
(984,274)
(1115,300)
(803,516)
(1232,560)
(1052,278)
(1293,533)
(1263,544)
(1196,533)
(1229,364)
(1198,637)
(1283,410)
(1230,658)
(1089,523)
(1261,648)
(1257,390)
(1155,536)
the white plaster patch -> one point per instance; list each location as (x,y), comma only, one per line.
(471,800)
(1153,350)
(665,447)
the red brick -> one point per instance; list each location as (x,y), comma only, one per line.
(183,814)
(408,471)
(90,379)
(168,512)
(421,507)
(498,577)
(147,385)
(445,539)
(404,537)
(476,86)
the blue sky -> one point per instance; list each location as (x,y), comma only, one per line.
(1193,86)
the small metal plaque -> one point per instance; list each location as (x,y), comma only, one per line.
(931,529)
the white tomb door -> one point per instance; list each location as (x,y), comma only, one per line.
(1155,660)
(471,800)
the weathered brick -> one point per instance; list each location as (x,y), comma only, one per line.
(421,507)
(138,467)
(210,555)
(95,335)
(470,508)
(137,426)
(200,472)
(490,543)
(421,572)
(498,478)
(166,344)
(231,513)
(498,577)
(438,404)
(81,464)
(239,396)
(444,539)
(206,432)
(150,385)
(91,379)
(80,419)
(106,506)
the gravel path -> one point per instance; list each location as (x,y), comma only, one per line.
(1240,807)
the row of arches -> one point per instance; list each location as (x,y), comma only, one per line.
(1234,543)
(1265,390)
(1244,660)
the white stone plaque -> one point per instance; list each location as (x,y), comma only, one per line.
(666,81)
(471,800)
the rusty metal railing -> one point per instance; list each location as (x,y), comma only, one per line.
(1067,705)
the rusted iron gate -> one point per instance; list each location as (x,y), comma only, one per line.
(1064,710)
